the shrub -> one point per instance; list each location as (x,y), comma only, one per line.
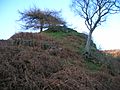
(59,29)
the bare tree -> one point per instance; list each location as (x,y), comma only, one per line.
(38,19)
(94,12)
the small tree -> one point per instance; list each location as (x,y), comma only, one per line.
(38,19)
(54,18)
(94,13)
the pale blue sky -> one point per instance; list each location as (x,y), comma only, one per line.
(106,36)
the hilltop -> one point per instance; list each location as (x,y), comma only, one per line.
(53,60)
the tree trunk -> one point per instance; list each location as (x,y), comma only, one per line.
(41,28)
(88,44)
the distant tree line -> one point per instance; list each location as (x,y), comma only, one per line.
(36,18)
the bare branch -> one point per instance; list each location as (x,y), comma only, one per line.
(94,11)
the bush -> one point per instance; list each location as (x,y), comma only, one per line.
(59,29)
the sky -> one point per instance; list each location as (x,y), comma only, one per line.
(105,36)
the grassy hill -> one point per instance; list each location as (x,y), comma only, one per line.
(53,60)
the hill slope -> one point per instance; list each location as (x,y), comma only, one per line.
(52,60)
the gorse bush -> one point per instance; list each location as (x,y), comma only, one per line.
(59,29)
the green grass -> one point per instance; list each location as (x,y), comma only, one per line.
(57,35)
(92,66)
(78,39)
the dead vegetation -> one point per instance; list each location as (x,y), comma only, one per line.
(50,64)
